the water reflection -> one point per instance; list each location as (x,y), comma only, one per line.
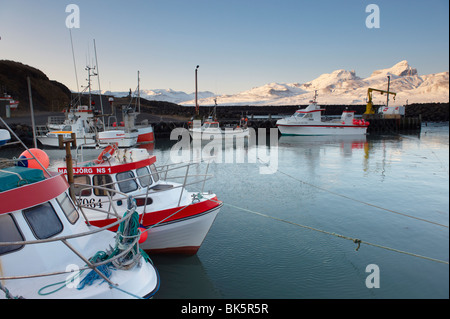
(183,277)
(346,143)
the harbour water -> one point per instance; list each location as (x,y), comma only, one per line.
(289,234)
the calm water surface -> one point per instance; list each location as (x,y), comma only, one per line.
(251,256)
(356,187)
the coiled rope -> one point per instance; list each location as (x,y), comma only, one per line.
(127,232)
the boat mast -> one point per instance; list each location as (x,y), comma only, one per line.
(88,68)
(75,67)
(99,89)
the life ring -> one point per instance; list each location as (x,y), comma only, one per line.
(109,149)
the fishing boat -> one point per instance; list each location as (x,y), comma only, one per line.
(89,128)
(211,128)
(85,122)
(309,121)
(49,249)
(175,219)
(80,120)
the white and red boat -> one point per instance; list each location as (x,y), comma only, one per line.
(309,121)
(48,249)
(13,104)
(89,129)
(176,220)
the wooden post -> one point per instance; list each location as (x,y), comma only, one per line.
(67,143)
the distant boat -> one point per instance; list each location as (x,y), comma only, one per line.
(13,104)
(88,129)
(211,127)
(309,121)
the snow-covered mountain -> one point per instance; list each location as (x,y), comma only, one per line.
(338,87)
(344,87)
(168,95)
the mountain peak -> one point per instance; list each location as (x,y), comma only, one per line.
(402,68)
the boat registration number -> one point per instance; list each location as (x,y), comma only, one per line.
(90,202)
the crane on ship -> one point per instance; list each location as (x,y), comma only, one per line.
(369,106)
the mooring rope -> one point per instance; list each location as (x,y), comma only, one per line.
(355,240)
(357,200)
(362,202)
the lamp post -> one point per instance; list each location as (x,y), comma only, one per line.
(196,101)
(387,97)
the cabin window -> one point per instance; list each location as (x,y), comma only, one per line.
(9,232)
(144,176)
(154,172)
(104,181)
(43,221)
(82,189)
(126,182)
(68,207)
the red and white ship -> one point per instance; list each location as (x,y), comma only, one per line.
(44,237)
(176,220)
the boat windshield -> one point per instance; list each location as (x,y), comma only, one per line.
(306,116)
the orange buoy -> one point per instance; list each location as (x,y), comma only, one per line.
(143,236)
(30,162)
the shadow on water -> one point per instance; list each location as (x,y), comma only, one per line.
(183,277)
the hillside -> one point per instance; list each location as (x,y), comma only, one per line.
(47,95)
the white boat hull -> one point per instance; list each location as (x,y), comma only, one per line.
(322,129)
(183,236)
(129,140)
(54,142)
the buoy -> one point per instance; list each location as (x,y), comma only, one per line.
(144,235)
(109,149)
(39,154)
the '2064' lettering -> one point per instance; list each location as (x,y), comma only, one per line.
(90,202)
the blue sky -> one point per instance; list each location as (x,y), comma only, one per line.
(238,44)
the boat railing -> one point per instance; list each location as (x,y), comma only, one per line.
(41,130)
(111,188)
(172,167)
(88,263)
(56,120)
